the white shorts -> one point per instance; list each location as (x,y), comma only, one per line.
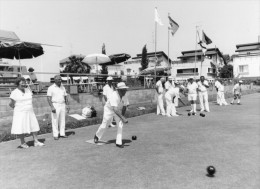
(192,97)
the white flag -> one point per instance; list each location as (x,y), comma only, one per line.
(157,17)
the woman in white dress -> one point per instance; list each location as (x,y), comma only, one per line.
(24,119)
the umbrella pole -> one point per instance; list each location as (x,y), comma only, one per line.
(20,64)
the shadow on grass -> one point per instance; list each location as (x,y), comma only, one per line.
(68,133)
(124,141)
(31,142)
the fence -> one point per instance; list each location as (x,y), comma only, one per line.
(90,83)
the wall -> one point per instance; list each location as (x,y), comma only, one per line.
(253,63)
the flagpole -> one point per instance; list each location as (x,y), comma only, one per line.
(155,49)
(195,52)
(169,44)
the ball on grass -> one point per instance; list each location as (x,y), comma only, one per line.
(202,115)
(211,171)
(134,137)
(189,114)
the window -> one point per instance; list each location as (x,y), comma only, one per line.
(243,69)
(211,70)
(187,71)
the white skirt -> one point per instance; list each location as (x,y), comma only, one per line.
(24,122)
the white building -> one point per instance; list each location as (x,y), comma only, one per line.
(246,64)
(206,66)
(133,65)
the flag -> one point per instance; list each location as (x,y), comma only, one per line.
(157,17)
(205,38)
(173,25)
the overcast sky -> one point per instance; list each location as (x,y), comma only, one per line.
(81,27)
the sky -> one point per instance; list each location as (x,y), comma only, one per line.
(82,26)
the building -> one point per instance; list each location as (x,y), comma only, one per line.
(246,64)
(133,65)
(206,66)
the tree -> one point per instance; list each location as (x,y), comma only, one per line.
(76,66)
(104,67)
(226,71)
(144,60)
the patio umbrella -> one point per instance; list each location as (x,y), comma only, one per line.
(118,58)
(95,59)
(150,70)
(20,50)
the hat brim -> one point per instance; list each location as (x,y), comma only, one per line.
(122,88)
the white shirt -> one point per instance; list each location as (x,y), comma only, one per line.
(217,83)
(221,87)
(201,87)
(57,93)
(172,92)
(169,85)
(237,88)
(114,100)
(23,101)
(107,90)
(159,86)
(192,88)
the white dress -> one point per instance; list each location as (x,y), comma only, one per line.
(24,119)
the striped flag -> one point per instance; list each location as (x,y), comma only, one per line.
(173,25)
(157,17)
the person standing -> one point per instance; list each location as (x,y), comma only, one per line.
(160,91)
(221,93)
(203,94)
(170,96)
(169,84)
(57,99)
(216,84)
(115,107)
(24,119)
(107,90)
(192,94)
(237,91)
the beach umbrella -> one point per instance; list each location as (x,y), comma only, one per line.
(118,58)
(20,50)
(95,59)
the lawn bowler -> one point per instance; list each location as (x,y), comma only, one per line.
(107,90)
(169,97)
(115,107)
(192,95)
(237,91)
(160,91)
(203,94)
(216,84)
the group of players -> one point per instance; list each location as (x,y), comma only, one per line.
(117,102)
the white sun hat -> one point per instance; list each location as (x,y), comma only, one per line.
(109,78)
(121,85)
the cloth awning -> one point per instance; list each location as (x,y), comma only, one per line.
(8,36)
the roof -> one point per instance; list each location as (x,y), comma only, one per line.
(8,36)
(210,51)
(248,47)
(152,54)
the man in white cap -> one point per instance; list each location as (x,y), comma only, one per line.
(160,91)
(107,90)
(237,91)
(192,94)
(169,84)
(115,107)
(203,94)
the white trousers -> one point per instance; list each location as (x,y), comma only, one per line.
(170,110)
(58,120)
(218,97)
(204,103)
(222,98)
(160,106)
(107,118)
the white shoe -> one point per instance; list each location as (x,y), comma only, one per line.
(38,144)
(202,110)
(175,115)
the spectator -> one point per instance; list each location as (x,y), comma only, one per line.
(32,75)
(57,99)
(24,119)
